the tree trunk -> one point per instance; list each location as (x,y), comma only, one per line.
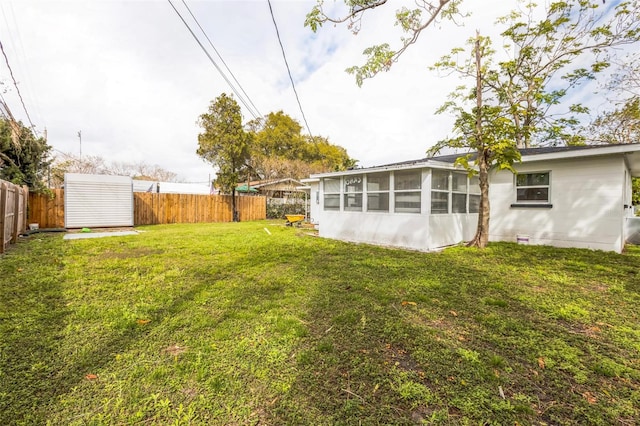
(236,216)
(482,232)
(481,238)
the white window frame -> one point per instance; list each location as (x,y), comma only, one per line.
(331,193)
(405,191)
(446,191)
(349,181)
(474,191)
(379,192)
(533,202)
(465,192)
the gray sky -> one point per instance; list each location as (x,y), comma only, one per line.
(132,78)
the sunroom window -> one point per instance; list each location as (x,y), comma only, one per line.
(406,192)
(378,192)
(439,191)
(331,193)
(458,192)
(474,194)
(532,187)
(353,193)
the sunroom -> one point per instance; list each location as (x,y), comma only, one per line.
(421,205)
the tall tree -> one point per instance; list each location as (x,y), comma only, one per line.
(225,143)
(480,127)
(24,158)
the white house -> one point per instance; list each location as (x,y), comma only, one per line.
(561,196)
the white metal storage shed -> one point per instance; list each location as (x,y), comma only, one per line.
(98,201)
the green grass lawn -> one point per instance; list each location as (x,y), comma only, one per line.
(226,324)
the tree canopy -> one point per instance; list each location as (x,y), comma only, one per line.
(95,164)
(280,150)
(24,158)
(225,143)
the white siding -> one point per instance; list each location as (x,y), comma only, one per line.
(587,198)
(314,202)
(97,201)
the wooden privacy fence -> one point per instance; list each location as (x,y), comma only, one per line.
(156,209)
(13,212)
(47,210)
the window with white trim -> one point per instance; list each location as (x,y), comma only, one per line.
(353,193)
(439,191)
(533,187)
(407,193)
(331,193)
(458,192)
(474,194)
(378,192)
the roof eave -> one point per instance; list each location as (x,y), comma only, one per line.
(419,164)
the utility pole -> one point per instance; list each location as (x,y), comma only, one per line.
(80,138)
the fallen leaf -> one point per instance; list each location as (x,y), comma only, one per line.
(454,313)
(405,303)
(541,363)
(590,398)
(91,377)
(143,321)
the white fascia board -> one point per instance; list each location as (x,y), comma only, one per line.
(590,152)
(432,164)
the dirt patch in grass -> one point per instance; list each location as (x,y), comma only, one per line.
(131,253)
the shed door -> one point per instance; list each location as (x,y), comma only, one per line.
(98,201)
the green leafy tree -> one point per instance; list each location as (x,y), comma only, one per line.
(225,143)
(24,158)
(280,150)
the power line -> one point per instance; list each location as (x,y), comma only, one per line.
(22,61)
(220,56)
(288,69)
(214,62)
(15,83)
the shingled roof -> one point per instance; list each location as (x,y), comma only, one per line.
(451,158)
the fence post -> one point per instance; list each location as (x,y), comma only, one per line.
(25,208)
(3,212)
(16,214)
